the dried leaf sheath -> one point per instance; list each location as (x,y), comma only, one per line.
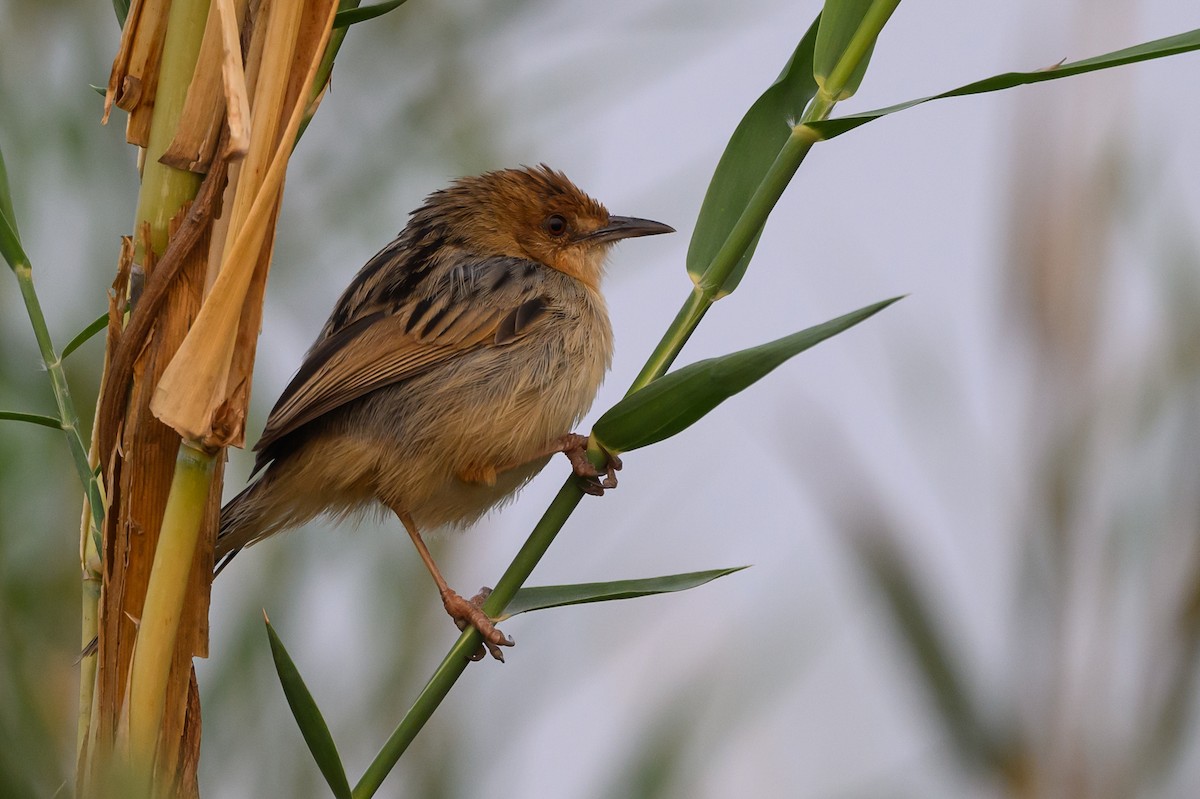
(215,361)
(218,85)
(138,499)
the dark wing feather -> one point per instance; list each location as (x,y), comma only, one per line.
(480,303)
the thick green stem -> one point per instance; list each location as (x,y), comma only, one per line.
(166,189)
(164,192)
(754,216)
(669,346)
(165,596)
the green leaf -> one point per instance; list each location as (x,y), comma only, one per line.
(679,399)
(121,8)
(351,16)
(6,206)
(555,596)
(31,418)
(840,20)
(751,151)
(308,717)
(10,243)
(1159,48)
(82,337)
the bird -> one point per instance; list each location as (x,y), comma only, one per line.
(453,367)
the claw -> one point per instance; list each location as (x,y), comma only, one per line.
(594,481)
(470,613)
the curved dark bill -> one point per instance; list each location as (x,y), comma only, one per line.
(627,227)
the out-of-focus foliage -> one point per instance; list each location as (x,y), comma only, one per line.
(1071,493)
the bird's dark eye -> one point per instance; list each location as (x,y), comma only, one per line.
(556,224)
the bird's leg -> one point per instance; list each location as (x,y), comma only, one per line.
(463,612)
(574,446)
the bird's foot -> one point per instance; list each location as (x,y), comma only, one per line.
(594,480)
(470,614)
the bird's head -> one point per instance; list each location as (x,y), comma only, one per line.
(538,214)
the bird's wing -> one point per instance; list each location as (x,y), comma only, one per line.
(480,303)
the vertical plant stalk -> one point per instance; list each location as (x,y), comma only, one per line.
(68,419)
(156,639)
(138,484)
(198,370)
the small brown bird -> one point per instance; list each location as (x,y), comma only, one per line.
(452,368)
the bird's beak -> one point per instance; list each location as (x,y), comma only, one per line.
(627,227)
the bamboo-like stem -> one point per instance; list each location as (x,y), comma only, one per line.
(165,189)
(173,558)
(163,193)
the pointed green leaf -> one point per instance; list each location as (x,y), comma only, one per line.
(841,20)
(6,205)
(308,717)
(679,399)
(1159,48)
(555,596)
(351,16)
(82,337)
(32,418)
(751,151)
(121,9)
(10,245)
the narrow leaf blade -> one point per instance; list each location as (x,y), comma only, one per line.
(6,205)
(679,399)
(555,596)
(1159,48)
(10,245)
(83,336)
(751,151)
(121,8)
(31,418)
(308,717)
(351,16)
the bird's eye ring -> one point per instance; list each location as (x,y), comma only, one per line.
(556,225)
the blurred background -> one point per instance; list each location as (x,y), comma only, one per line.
(972,520)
